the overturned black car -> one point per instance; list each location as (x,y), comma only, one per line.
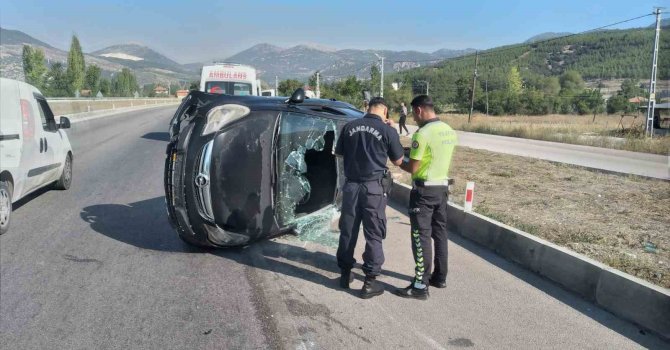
(243,168)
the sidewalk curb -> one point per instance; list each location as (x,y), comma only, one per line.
(624,295)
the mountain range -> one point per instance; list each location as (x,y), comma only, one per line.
(298,62)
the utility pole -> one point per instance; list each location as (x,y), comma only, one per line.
(427,85)
(276,85)
(318,89)
(652,80)
(487,97)
(381,87)
(474,81)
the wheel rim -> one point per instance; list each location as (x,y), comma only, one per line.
(67,172)
(5,207)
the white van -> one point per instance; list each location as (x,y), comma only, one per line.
(230,79)
(34,150)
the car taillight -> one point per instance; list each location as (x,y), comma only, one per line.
(28,122)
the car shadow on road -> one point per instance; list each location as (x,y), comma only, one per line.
(554,290)
(157,136)
(144,224)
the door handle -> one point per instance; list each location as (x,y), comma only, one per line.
(41,145)
(46,144)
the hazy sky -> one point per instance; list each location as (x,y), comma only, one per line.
(191,31)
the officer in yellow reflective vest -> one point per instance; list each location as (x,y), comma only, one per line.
(429,160)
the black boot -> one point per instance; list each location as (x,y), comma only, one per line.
(345,278)
(413,293)
(371,288)
(438,284)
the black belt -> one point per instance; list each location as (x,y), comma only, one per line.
(364,181)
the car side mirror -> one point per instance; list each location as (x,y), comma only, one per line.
(64,123)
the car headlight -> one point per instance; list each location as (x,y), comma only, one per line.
(219,116)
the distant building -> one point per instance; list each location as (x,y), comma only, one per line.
(661,115)
(160,91)
(86,93)
(181,93)
(637,99)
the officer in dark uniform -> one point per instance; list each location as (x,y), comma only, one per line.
(366,144)
(429,160)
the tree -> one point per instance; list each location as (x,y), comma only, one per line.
(105,87)
(148,90)
(76,70)
(312,81)
(375,78)
(57,81)
(288,86)
(630,89)
(124,84)
(617,103)
(92,79)
(195,85)
(591,101)
(34,69)
(514,82)
(551,86)
(533,102)
(571,82)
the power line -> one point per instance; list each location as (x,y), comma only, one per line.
(516,46)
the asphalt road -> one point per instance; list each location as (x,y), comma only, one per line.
(98,267)
(645,164)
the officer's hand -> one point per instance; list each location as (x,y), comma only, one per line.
(389,122)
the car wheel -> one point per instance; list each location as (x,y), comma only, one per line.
(5,205)
(66,177)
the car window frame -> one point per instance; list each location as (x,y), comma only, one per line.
(46,114)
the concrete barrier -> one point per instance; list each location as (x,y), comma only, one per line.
(626,296)
(81,117)
(61,106)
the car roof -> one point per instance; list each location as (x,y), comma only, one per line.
(329,108)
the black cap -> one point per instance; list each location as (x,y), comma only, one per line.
(422,101)
(378,101)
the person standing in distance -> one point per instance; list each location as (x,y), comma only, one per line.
(429,160)
(365,145)
(403,119)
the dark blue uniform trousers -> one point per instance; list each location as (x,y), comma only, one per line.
(428,218)
(362,202)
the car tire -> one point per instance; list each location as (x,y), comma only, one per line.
(66,177)
(5,205)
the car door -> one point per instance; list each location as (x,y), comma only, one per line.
(32,154)
(47,166)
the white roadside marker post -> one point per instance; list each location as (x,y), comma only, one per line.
(469,196)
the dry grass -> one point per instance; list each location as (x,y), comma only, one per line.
(619,220)
(604,131)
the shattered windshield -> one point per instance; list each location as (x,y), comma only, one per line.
(306,167)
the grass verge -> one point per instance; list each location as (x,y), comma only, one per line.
(622,221)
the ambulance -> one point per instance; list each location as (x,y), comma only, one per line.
(230,79)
